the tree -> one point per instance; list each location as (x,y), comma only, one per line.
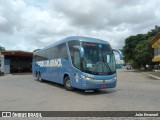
(143,53)
(36,50)
(154,31)
(138,50)
(130,45)
(2,48)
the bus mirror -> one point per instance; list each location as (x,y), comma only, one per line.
(119,53)
(77,47)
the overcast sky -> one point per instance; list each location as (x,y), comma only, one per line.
(31,24)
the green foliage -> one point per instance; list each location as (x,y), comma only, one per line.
(138,50)
(2,48)
(36,50)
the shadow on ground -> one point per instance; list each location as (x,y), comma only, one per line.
(137,71)
(83,92)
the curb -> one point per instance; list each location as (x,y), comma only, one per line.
(152,76)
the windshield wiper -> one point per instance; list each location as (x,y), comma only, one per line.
(106,64)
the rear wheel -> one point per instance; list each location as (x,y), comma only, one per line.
(67,84)
(39,77)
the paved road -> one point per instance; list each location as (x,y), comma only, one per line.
(135,92)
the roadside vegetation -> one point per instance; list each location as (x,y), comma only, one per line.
(138,50)
(2,48)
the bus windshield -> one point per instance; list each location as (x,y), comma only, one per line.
(98,59)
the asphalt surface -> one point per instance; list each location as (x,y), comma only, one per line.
(135,91)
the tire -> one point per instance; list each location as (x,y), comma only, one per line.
(39,77)
(67,84)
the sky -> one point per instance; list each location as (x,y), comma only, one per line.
(33,24)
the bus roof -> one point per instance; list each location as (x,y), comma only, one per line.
(79,38)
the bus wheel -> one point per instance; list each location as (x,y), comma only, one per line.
(67,84)
(39,77)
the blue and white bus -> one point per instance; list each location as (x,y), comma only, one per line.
(77,62)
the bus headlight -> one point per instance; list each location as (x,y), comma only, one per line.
(88,78)
(115,78)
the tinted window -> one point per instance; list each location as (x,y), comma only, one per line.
(61,51)
(58,51)
(71,48)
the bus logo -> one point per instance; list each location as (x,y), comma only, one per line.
(50,63)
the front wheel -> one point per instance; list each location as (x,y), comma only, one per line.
(67,84)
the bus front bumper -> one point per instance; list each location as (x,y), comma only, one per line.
(98,84)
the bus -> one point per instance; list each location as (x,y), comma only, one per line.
(77,62)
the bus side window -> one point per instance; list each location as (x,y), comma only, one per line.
(76,59)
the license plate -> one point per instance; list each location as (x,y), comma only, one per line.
(103,86)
